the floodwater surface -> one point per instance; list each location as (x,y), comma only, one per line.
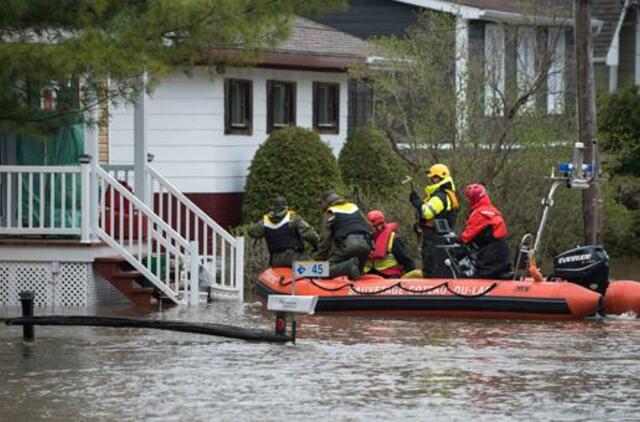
(341,368)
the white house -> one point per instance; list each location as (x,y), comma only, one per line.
(203,129)
(75,235)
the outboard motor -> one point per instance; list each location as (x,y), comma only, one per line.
(587,266)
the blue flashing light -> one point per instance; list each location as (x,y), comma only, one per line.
(565,167)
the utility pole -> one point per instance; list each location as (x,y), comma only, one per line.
(591,198)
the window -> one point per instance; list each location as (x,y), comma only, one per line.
(281,104)
(525,65)
(237,107)
(555,78)
(326,107)
(494,70)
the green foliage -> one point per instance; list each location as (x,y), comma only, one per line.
(619,127)
(296,164)
(369,165)
(51,45)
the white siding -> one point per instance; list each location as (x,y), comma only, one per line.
(186,126)
(494,69)
(525,64)
(555,79)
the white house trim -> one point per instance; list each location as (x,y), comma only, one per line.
(613,54)
(475,13)
(462,70)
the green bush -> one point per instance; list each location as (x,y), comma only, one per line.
(296,164)
(368,164)
(619,129)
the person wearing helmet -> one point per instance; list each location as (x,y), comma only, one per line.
(486,230)
(389,256)
(440,203)
(346,240)
(284,231)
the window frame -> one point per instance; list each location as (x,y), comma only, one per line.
(229,127)
(335,127)
(292,91)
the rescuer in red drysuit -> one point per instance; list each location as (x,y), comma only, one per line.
(486,230)
(389,256)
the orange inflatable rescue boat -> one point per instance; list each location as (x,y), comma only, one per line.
(439,297)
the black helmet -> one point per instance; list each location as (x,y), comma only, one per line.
(280,203)
(329,197)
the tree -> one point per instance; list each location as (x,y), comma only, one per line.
(619,128)
(66,50)
(432,105)
(368,164)
(296,164)
(506,131)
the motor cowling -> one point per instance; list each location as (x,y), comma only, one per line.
(587,266)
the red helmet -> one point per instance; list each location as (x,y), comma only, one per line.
(474,192)
(376,217)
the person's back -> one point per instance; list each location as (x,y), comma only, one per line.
(486,229)
(284,232)
(346,240)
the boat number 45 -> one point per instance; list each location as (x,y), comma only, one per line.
(311,268)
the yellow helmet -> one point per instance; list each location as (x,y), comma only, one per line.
(439,170)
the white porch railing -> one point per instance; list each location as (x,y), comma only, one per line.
(147,242)
(44,200)
(222,255)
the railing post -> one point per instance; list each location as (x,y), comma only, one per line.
(193,273)
(240,267)
(85,197)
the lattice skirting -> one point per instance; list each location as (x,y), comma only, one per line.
(58,284)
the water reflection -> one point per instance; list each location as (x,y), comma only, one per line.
(342,368)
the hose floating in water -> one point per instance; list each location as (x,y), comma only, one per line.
(250,334)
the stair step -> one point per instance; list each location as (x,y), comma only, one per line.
(132,274)
(143,290)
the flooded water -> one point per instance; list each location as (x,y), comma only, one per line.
(341,368)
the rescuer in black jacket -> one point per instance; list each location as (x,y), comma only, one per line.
(346,240)
(284,231)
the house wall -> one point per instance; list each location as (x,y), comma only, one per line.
(185,132)
(627,64)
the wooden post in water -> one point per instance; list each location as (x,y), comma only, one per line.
(591,198)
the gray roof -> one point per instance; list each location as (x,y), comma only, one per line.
(312,38)
(608,11)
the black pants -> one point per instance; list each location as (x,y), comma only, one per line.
(493,259)
(433,258)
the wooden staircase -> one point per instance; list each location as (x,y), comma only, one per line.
(130,282)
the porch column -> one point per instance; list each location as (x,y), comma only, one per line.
(140,143)
(91,149)
(462,73)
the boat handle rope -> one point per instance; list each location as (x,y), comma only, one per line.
(398,284)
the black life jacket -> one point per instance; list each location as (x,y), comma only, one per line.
(450,212)
(348,220)
(281,236)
